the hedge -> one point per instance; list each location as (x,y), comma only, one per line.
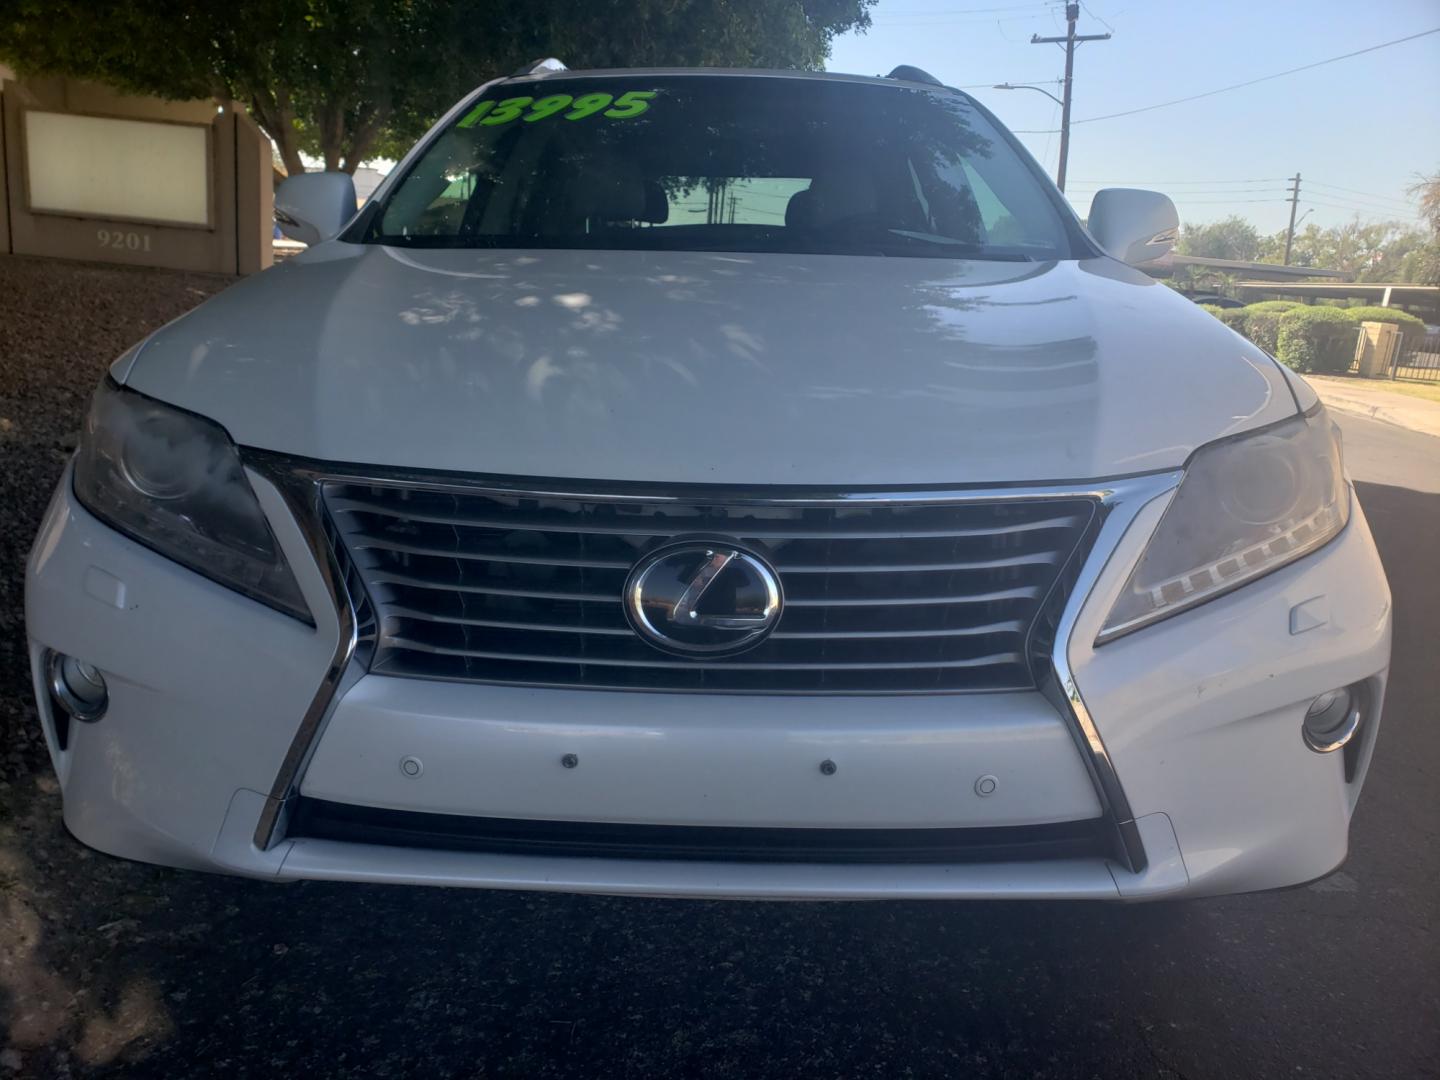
(1274,305)
(1263,327)
(1320,339)
(1234,318)
(1413,329)
(1313,338)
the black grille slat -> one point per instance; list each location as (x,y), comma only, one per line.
(348,823)
(880,596)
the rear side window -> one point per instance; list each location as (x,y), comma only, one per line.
(723,163)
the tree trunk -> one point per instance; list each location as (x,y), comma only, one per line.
(289,153)
(362,139)
(276,120)
(330,123)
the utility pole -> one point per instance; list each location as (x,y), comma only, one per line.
(1070,40)
(1294,201)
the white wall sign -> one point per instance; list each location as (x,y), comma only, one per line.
(104,167)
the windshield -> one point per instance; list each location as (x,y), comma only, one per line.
(723,163)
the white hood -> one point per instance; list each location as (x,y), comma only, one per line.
(713,368)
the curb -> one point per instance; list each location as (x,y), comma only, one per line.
(1404,415)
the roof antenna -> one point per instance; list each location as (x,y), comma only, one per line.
(541,67)
(907,73)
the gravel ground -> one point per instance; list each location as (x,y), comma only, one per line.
(116,968)
(61,324)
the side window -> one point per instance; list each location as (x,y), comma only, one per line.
(1013,208)
(1000,224)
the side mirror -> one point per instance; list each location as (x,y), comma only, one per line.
(1133,225)
(313,207)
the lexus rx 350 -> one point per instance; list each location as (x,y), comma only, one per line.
(712,483)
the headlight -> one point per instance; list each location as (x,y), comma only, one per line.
(1247,506)
(173,481)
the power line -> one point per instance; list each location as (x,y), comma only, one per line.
(1263,78)
(972,11)
(1367,194)
(1371,211)
(1099,18)
(920,24)
(1371,207)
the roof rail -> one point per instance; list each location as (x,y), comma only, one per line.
(539,67)
(914,74)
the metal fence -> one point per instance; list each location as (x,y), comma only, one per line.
(1421,362)
(1410,360)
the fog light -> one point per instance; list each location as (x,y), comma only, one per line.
(1332,719)
(79,688)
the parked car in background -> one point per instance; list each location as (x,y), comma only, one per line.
(1216,300)
(712,483)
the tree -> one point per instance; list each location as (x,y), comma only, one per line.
(342,77)
(1427,191)
(1425,263)
(1372,251)
(1231,238)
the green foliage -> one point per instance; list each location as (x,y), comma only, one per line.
(1274,305)
(1263,328)
(1260,322)
(1231,238)
(1218,312)
(344,78)
(1372,251)
(1413,328)
(1234,318)
(1319,339)
(1427,190)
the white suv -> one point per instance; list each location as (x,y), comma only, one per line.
(712,483)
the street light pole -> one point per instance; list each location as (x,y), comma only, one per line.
(1070,40)
(1027,86)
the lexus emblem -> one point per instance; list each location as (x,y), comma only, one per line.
(703,597)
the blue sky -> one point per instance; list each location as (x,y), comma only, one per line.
(1366,124)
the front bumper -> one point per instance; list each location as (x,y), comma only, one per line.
(1200,719)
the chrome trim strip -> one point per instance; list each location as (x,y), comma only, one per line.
(302,497)
(272,463)
(1119,510)
(1120,500)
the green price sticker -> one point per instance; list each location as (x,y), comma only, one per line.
(494,113)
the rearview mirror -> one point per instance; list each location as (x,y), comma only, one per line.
(313,207)
(1133,225)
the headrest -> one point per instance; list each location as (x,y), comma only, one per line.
(838,196)
(799,211)
(613,190)
(657,205)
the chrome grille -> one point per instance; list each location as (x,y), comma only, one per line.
(882,596)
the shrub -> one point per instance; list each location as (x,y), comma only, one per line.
(1316,339)
(1218,312)
(1274,305)
(1412,329)
(1233,317)
(1263,327)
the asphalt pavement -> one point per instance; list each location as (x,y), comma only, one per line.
(114,968)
